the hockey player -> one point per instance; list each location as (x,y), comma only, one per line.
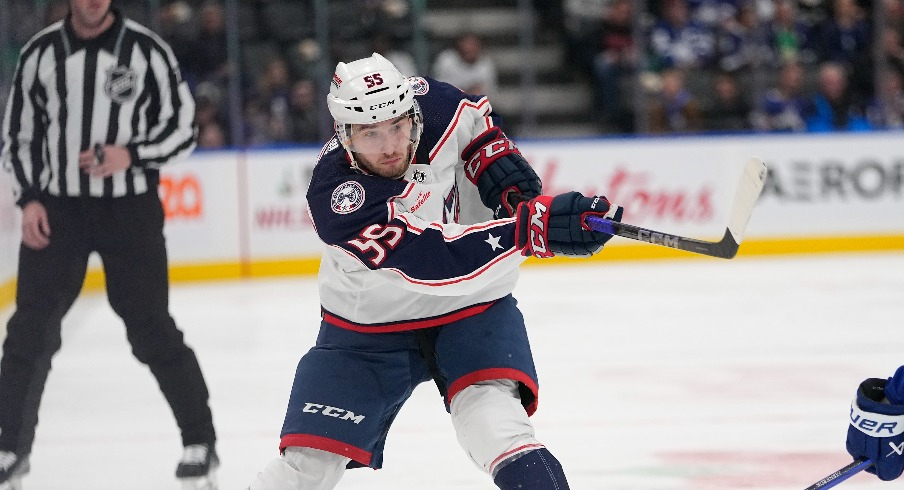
(416,198)
(877,425)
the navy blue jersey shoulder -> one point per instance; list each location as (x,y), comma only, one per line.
(440,105)
(344,201)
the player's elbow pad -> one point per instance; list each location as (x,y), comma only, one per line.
(494,164)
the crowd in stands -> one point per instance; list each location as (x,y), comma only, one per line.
(688,65)
(743,65)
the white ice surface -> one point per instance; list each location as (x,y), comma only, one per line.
(687,375)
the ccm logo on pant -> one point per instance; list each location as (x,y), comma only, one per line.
(334,412)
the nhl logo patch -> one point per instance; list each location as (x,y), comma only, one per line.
(419,85)
(120,84)
(347,198)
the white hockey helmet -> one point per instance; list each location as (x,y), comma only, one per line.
(371,90)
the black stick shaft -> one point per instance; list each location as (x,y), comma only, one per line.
(841,475)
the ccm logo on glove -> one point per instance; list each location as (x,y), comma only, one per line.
(547,226)
(493,163)
(539,219)
(487,155)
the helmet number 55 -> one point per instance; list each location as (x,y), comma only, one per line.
(373,80)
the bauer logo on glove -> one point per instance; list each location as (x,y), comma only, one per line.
(877,425)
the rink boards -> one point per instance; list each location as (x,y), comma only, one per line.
(239,214)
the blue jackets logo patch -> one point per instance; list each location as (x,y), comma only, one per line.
(419,85)
(347,198)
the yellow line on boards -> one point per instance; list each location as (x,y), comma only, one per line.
(618,251)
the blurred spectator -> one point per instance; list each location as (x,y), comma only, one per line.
(784,106)
(894,14)
(212,124)
(303,112)
(675,110)
(581,20)
(178,26)
(304,57)
(211,136)
(742,42)
(845,36)
(791,38)
(256,130)
(392,17)
(893,50)
(550,15)
(272,98)
(887,109)
(832,108)
(812,12)
(677,41)
(712,13)
(729,109)
(613,64)
(467,67)
(846,39)
(208,60)
(385,45)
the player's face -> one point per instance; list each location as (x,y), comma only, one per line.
(383,148)
(89,14)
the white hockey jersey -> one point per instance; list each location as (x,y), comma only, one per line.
(416,252)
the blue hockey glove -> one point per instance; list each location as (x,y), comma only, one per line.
(877,425)
(549,226)
(496,167)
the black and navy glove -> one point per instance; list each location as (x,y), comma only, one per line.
(877,425)
(547,226)
(494,164)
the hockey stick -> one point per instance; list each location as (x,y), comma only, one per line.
(753,178)
(841,475)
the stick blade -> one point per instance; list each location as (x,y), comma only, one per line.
(753,178)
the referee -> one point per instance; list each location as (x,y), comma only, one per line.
(97,106)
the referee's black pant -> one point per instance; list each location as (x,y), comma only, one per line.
(127,233)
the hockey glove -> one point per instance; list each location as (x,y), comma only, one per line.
(547,226)
(496,167)
(877,425)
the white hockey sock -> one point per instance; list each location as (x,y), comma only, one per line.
(491,423)
(302,467)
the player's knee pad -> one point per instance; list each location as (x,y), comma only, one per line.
(302,467)
(491,423)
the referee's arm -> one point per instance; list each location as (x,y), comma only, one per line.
(175,134)
(23,139)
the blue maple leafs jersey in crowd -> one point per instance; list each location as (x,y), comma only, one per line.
(419,251)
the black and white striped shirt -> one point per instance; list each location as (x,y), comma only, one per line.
(121,88)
